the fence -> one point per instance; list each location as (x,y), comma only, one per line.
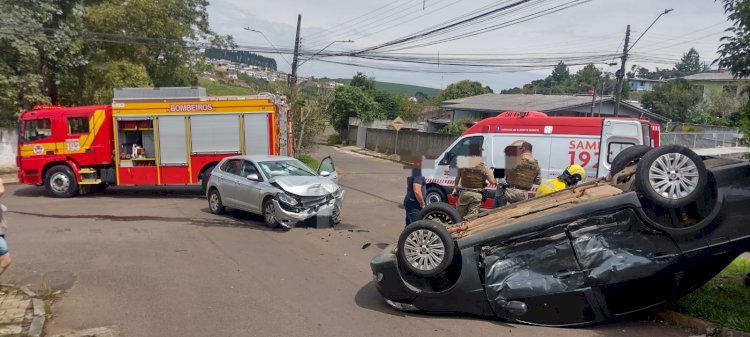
(696,140)
(425,144)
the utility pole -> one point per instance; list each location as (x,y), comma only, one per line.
(620,74)
(293,79)
(593,96)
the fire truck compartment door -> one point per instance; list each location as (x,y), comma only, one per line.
(617,135)
(215,134)
(172,141)
(256,134)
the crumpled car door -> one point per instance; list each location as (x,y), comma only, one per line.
(630,263)
(541,271)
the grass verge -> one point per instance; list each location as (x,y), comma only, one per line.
(723,300)
(308,160)
(223,89)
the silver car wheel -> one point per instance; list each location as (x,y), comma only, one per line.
(424,249)
(60,182)
(269,214)
(673,176)
(213,200)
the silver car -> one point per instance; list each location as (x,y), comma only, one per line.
(282,189)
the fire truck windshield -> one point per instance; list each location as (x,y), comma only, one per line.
(36,129)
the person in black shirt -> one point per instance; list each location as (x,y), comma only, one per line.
(415,192)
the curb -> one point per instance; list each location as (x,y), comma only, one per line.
(696,324)
(372,154)
(35,316)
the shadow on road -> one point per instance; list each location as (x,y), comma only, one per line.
(368,298)
(186,192)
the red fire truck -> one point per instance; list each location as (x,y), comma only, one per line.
(162,136)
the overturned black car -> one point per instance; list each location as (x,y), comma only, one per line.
(665,223)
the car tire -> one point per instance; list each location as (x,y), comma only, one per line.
(440,212)
(671,176)
(435,194)
(60,182)
(204,178)
(214,202)
(425,248)
(627,157)
(269,214)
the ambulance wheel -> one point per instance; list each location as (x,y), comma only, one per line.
(627,157)
(671,176)
(214,202)
(425,248)
(60,182)
(435,194)
(440,212)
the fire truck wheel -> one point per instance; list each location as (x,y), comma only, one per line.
(204,178)
(214,202)
(269,213)
(60,182)
(671,176)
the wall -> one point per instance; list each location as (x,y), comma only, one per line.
(8,150)
(426,144)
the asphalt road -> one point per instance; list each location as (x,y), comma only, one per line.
(155,262)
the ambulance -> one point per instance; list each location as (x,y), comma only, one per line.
(592,142)
(147,137)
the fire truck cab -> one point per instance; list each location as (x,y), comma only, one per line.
(592,142)
(161,136)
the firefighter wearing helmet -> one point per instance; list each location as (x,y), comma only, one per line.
(570,177)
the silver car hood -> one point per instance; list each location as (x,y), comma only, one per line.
(306,186)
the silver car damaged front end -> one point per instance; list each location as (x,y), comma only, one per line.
(325,209)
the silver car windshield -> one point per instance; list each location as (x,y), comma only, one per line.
(284,168)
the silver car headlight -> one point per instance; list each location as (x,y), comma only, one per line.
(287,199)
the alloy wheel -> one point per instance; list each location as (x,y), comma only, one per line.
(424,249)
(673,176)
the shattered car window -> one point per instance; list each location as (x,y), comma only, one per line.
(284,168)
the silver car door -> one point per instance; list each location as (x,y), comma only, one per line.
(328,169)
(228,185)
(248,187)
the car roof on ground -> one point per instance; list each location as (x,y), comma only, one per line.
(260,157)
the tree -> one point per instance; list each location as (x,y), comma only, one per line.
(310,115)
(673,99)
(734,52)
(461,89)
(690,64)
(367,84)
(351,101)
(588,76)
(560,74)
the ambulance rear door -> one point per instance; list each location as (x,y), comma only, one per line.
(617,135)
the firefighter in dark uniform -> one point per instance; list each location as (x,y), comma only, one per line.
(472,176)
(522,173)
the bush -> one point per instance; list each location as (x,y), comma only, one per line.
(308,160)
(334,139)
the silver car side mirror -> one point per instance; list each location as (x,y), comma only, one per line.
(253,176)
(325,173)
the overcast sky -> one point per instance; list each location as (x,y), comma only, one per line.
(593,27)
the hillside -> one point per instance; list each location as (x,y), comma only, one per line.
(222,89)
(398,88)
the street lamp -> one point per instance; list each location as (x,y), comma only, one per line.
(324,48)
(620,74)
(269,42)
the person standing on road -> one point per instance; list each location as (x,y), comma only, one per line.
(4,253)
(472,177)
(415,192)
(524,174)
